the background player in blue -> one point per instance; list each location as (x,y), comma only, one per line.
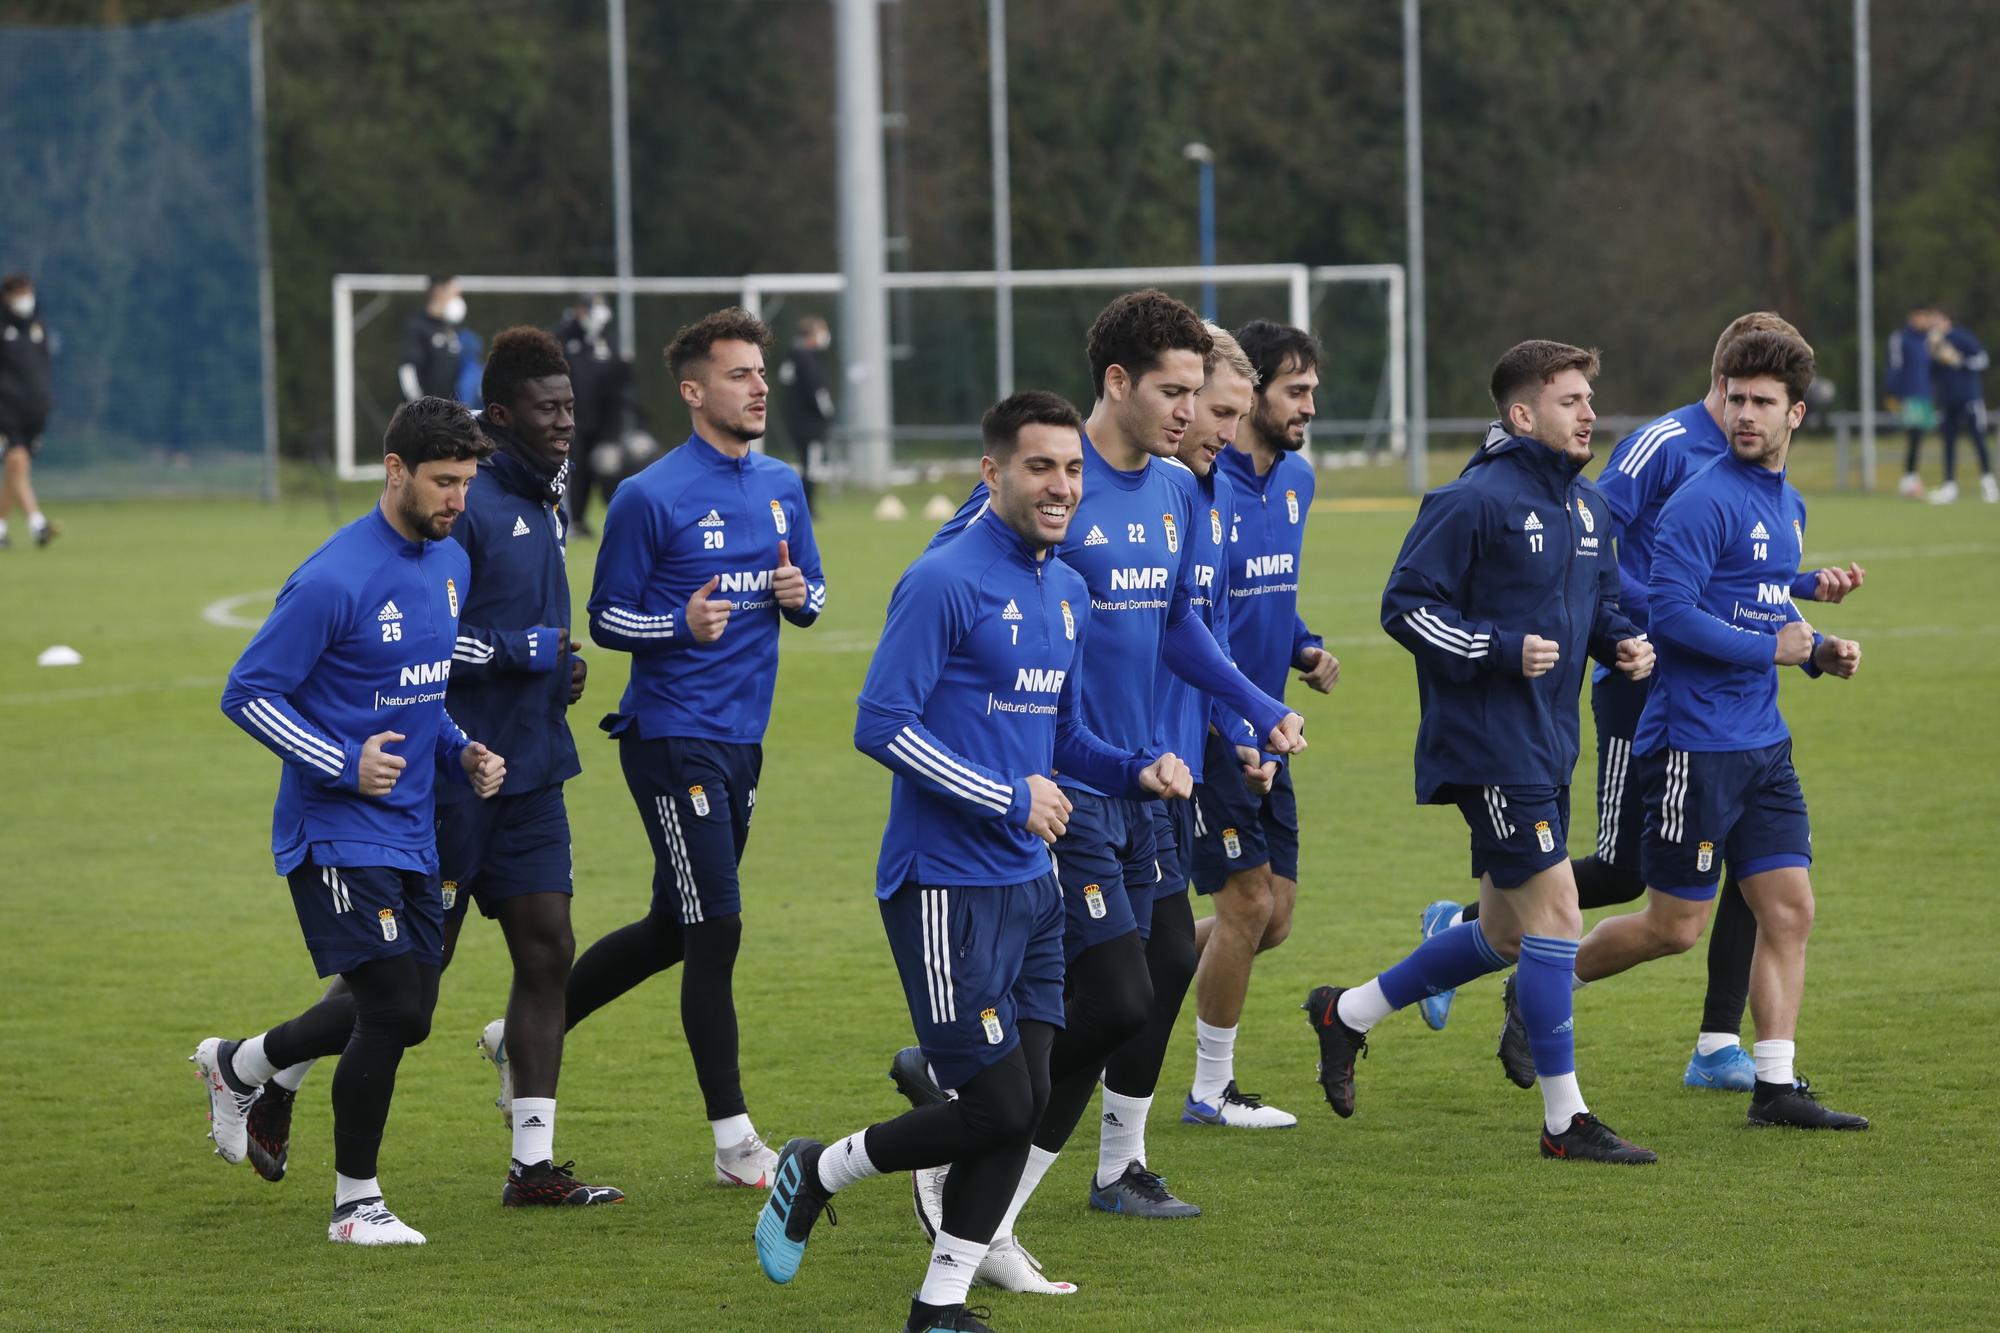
(1147,354)
(695,572)
(970,700)
(346,683)
(1643,471)
(513,677)
(1715,756)
(1906,391)
(1246,847)
(1958,360)
(1502,584)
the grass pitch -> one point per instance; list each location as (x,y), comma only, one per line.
(142,914)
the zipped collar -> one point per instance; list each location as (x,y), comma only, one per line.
(394,540)
(711,457)
(1529,453)
(1123,480)
(1004,539)
(1758,474)
(519,471)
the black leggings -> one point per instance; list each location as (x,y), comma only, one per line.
(652,944)
(1134,1068)
(386,1010)
(1107,996)
(983,1133)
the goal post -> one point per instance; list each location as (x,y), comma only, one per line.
(945,361)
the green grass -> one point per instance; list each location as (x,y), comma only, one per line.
(142,914)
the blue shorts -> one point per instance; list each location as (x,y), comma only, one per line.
(1742,806)
(1517,832)
(1173,845)
(503,848)
(1234,830)
(975,961)
(357,914)
(1107,870)
(695,798)
(1616,702)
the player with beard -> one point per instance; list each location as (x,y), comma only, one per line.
(694,576)
(514,676)
(345,682)
(1246,845)
(1497,563)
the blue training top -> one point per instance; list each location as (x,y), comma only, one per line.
(973,687)
(1729,546)
(695,514)
(1518,545)
(1265,547)
(360,642)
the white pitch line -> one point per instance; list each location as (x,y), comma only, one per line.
(222,612)
(82,692)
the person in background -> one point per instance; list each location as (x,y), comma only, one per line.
(808,403)
(602,380)
(433,352)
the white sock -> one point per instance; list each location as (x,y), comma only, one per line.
(953,1262)
(1708,1043)
(1457,919)
(346,1189)
(1039,1162)
(1121,1136)
(845,1162)
(1774,1061)
(1214,1061)
(729,1131)
(534,1130)
(3,528)
(1362,1007)
(37,521)
(290,1078)
(1576,983)
(249,1064)
(1561,1100)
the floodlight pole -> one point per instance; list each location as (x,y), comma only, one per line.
(1204,159)
(621,177)
(1864,242)
(1003,206)
(864,309)
(1413,154)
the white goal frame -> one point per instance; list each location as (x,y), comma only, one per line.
(750,290)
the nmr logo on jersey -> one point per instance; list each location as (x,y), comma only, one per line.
(1264,566)
(1126,580)
(427,673)
(1039,680)
(746,581)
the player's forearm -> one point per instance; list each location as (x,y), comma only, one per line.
(1192,655)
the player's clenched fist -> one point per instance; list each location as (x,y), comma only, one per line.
(788,584)
(1539,655)
(1635,658)
(1168,776)
(1322,670)
(1838,657)
(706,615)
(379,769)
(1795,643)
(486,769)
(1288,737)
(1048,809)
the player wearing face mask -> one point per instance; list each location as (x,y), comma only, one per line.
(602,381)
(432,350)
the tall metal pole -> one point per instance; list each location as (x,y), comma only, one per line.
(621,176)
(267,328)
(1003,199)
(1864,242)
(1204,159)
(1413,155)
(864,309)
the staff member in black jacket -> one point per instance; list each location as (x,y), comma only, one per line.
(808,404)
(25,400)
(432,352)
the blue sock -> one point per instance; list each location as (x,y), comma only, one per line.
(1542,987)
(1447,959)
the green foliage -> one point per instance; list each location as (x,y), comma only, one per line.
(143,914)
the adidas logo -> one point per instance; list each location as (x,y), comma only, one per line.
(714,520)
(389,612)
(1567,1025)
(1111,1118)
(520,526)
(1011,611)
(944,1261)
(1760,533)
(1534,523)
(1096,537)
(533,1122)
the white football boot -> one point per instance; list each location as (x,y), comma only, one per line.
(369,1222)
(493,1046)
(1010,1267)
(746,1162)
(228,1109)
